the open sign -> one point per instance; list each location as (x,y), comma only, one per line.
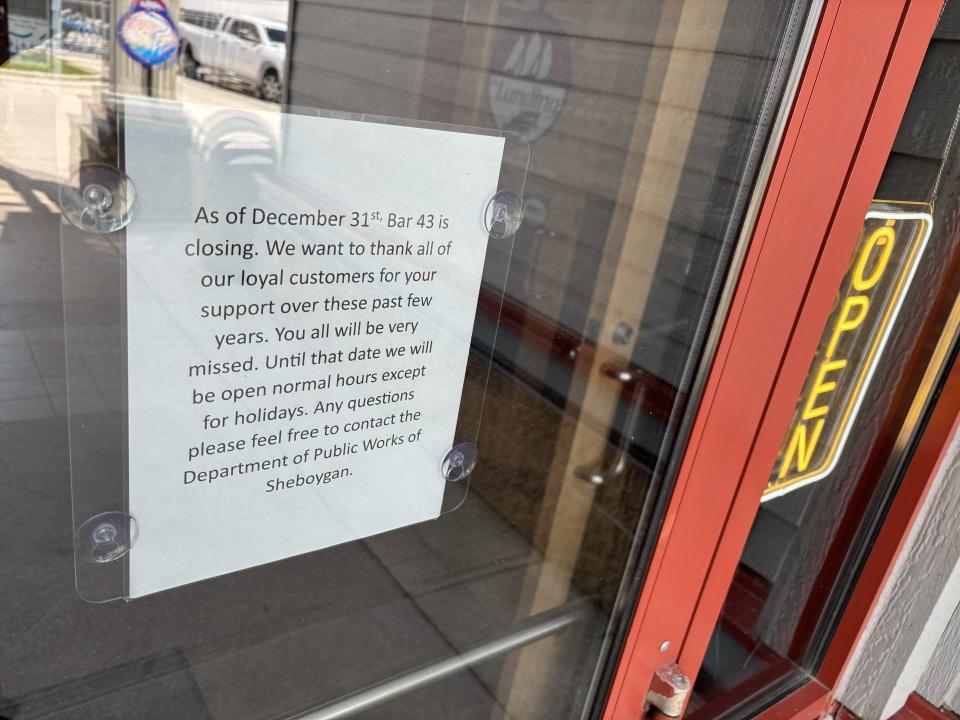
(883,265)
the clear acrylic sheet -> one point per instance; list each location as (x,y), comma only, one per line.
(155,162)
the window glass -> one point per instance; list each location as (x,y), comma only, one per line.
(642,126)
(244,30)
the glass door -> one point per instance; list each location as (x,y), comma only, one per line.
(599,165)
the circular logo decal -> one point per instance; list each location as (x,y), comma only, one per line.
(147,33)
(530,73)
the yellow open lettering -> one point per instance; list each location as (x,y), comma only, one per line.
(820,388)
(882,238)
(801,447)
(852,315)
(850,346)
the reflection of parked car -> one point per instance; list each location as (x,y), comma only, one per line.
(247,48)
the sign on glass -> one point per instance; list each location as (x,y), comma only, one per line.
(883,264)
(301,294)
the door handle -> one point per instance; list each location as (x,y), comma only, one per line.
(599,472)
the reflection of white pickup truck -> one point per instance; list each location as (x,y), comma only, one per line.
(247,48)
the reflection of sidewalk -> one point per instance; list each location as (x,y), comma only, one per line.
(199,91)
(32,382)
(40,114)
(202,100)
(32,371)
(85,61)
(36,112)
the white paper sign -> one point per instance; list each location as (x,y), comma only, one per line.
(300,294)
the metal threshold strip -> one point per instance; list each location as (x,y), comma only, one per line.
(537,628)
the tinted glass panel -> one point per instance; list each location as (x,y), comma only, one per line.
(643,125)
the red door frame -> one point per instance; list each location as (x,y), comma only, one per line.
(860,71)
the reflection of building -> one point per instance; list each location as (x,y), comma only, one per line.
(273,10)
(28,24)
(26,32)
(84,25)
(79,25)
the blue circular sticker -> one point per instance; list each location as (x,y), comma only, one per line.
(147,33)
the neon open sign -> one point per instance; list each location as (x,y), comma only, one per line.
(883,265)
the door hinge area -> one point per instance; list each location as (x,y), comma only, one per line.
(669,690)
